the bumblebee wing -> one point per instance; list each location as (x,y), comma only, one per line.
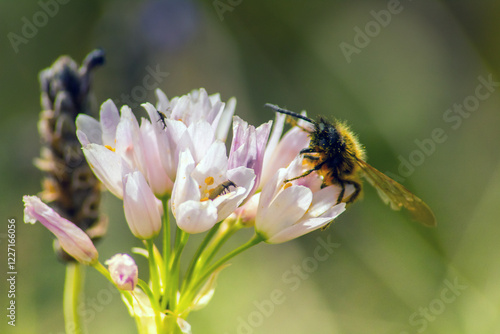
(396,195)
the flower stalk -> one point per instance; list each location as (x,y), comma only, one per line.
(73,287)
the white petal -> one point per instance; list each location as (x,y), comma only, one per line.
(202,136)
(224,122)
(323,200)
(214,164)
(242,177)
(82,137)
(196,216)
(306,226)
(109,117)
(179,108)
(285,210)
(163,104)
(185,187)
(90,127)
(227,203)
(184,326)
(107,166)
(279,125)
(271,188)
(128,140)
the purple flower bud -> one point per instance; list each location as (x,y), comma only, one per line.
(71,238)
(123,271)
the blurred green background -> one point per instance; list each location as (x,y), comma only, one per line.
(393,80)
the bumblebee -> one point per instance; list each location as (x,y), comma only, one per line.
(336,155)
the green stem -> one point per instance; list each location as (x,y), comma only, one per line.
(100,268)
(192,289)
(73,286)
(220,239)
(181,239)
(154,304)
(171,326)
(197,256)
(153,269)
(166,250)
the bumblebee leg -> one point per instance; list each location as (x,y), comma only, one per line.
(307,172)
(307,150)
(356,193)
(342,191)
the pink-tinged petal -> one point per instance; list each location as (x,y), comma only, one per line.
(140,206)
(154,117)
(248,211)
(224,122)
(179,107)
(175,140)
(285,209)
(71,238)
(157,177)
(163,103)
(248,146)
(284,152)
(109,118)
(167,134)
(196,216)
(279,125)
(306,226)
(123,271)
(82,138)
(156,121)
(90,128)
(107,166)
(128,140)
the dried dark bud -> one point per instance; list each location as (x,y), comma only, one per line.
(69,186)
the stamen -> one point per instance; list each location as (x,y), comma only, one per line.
(109,148)
(209,181)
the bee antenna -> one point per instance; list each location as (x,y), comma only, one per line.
(288,112)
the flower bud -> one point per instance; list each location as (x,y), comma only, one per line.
(140,205)
(123,271)
(71,238)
